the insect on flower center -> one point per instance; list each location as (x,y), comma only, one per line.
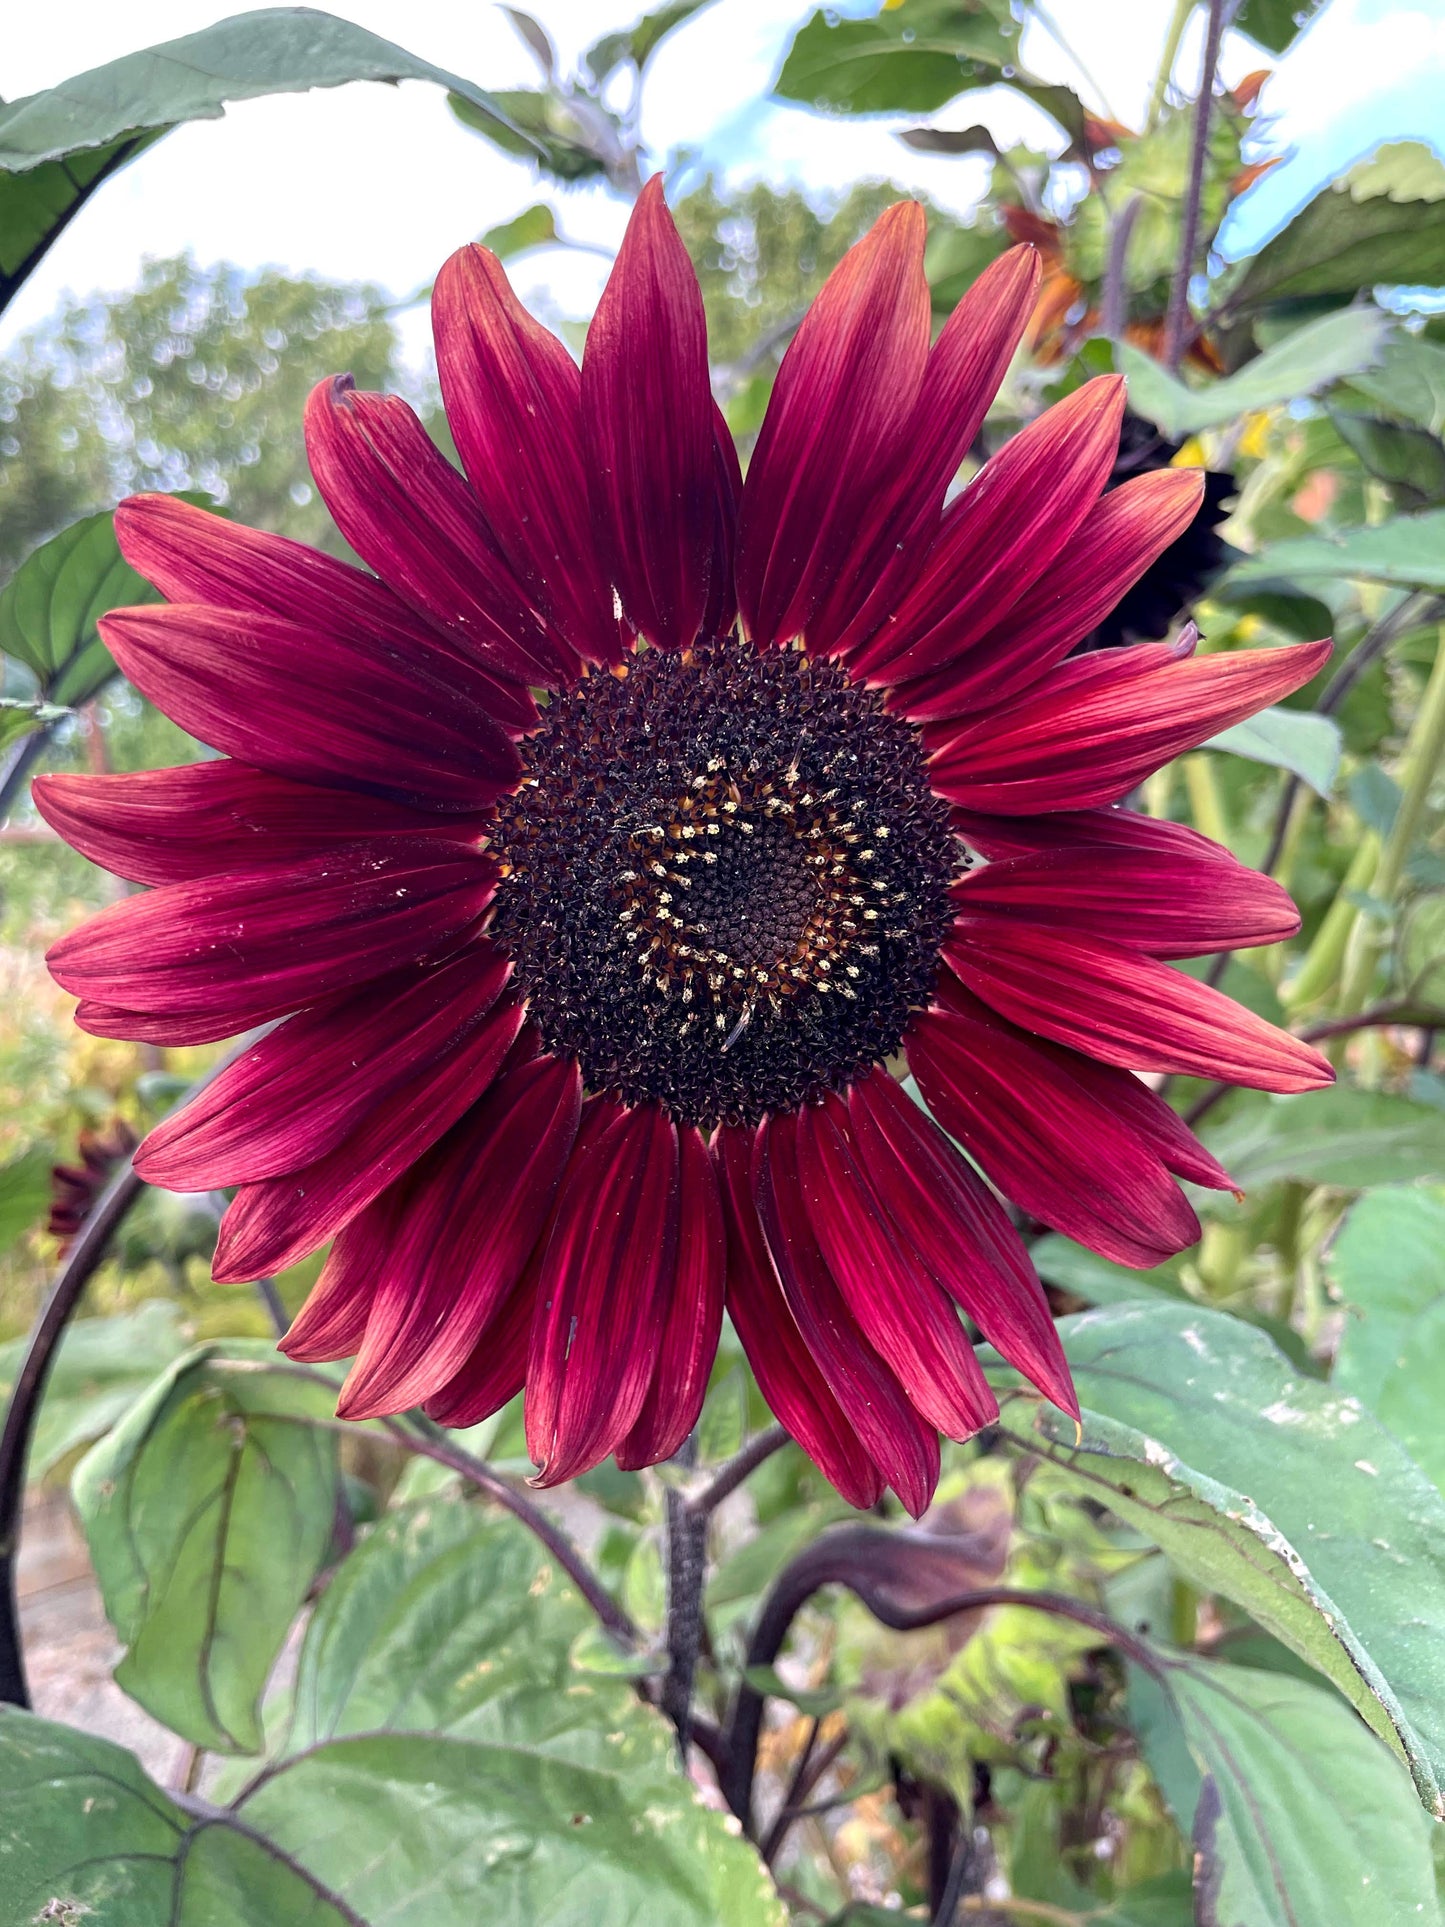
(725,879)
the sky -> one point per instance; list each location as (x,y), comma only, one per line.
(380,183)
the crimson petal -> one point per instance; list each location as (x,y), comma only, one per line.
(175,825)
(1166,905)
(497,1368)
(903,1448)
(305,1086)
(332,1322)
(475,1207)
(243,945)
(193,556)
(1002,533)
(900,1309)
(157,1027)
(785,1368)
(276,1222)
(1044,1125)
(1126,530)
(963,371)
(835,425)
(997,837)
(694,1313)
(647,416)
(600,1305)
(1103,722)
(383,719)
(959,1231)
(513,402)
(1124,1008)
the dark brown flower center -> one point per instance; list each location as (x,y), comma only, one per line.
(726,879)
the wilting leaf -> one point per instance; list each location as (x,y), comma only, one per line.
(208,1511)
(49,608)
(1296,1812)
(1336,1547)
(1389,1264)
(1342,1137)
(56,147)
(1383,222)
(1323,351)
(101,1369)
(1308,746)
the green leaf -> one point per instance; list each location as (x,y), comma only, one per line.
(1341,1137)
(85,1835)
(19,720)
(38,205)
(451,1627)
(1383,222)
(1274,23)
(1387,1263)
(57,147)
(911,58)
(1295,1811)
(1409,382)
(534,227)
(1408,550)
(1335,1550)
(535,124)
(49,608)
(1070,1267)
(208,1511)
(1323,351)
(101,1369)
(638,44)
(24,1201)
(1411,460)
(1308,746)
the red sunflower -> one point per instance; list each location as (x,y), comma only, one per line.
(592,1012)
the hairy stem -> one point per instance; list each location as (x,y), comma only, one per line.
(1176,322)
(758,1449)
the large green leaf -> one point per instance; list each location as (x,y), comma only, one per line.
(1408,550)
(1323,351)
(1297,1814)
(84,1835)
(1342,1137)
(49,608)
(1411,460)
(450,1628)
(1070,1267)
(1383,222)
(1389,1264)
(1337,1546)
(36,206)
(910,58)
(1308,746)
(1409,382)
(1274,23)
(58,146)
(208,1511)
(101,1369)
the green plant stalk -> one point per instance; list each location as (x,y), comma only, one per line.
(1180,20)
(1325,957)
(1206,805)
(1423,756)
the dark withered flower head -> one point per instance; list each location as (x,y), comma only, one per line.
(592,1012)
(75,1187)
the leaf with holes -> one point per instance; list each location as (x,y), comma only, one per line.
(208,1511)
(1267,1487)
(1296,1812)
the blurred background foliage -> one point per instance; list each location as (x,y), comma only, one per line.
(1223,1718)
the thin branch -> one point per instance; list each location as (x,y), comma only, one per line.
(1176,322)
(81,1263)
(1379,1016)
(271,1298)
(1114,302)
(732,1475)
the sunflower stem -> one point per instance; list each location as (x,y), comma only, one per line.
(686,1571)
(1423,756)
(1177,320)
